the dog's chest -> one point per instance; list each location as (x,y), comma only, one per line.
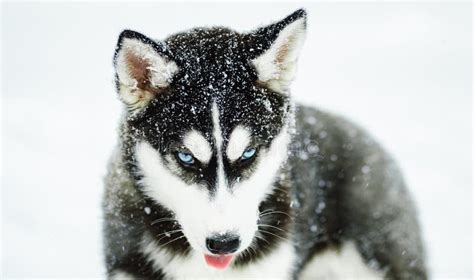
(276,265)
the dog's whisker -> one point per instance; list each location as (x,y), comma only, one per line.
(281,189)
(266,211)
(271,212)
(169,242)
(247,253)
(253,249)
(276,212)
(265,225)
(162,220)
(168,232)
(273,234)
(263,239)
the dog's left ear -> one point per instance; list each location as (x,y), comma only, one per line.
(143,69)
(277,49)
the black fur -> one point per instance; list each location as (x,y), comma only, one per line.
(317,198)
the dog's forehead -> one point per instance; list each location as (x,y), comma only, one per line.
(215,57)
(204,120)
(215,69)
(182,110)
(180,114)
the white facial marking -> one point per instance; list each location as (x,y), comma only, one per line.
(269,161)
(201,216)
(221,179)
(160,183)
(198,145)
(238,142)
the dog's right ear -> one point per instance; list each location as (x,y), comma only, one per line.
(142,68)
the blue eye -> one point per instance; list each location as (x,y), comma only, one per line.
(250,152)
(186,158)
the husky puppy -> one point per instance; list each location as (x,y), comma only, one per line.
(218,174)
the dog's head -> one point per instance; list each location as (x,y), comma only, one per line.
(209,111)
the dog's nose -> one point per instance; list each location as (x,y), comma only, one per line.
(222,244)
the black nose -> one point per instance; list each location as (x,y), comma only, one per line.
(222,244)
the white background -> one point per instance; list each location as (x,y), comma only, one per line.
(401,70)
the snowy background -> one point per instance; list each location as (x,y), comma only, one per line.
(401,70)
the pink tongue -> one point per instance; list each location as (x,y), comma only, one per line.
(219,262)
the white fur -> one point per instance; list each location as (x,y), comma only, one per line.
(344,263)
(168,189)
(229,209)
(198,145)
(238,141)
(221,178)
(161,71)
(121,275)
(277,265)
(217,133)
(199,215)
(276,67)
